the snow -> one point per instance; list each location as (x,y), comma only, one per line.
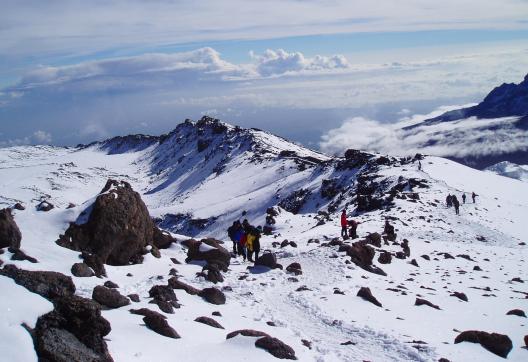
(510,169)
(259,296)
(18,306)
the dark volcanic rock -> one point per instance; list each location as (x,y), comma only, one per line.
(246,333)
(10,235)
(133,297)
(374,239)
(19,206)
(517,312)
(294,268)
(159,325)
(209,250)
(362,255)
(461,296)
(385,257)
(45,206)
(267,259)
(45,283)
(162,239)
(420,301)
(146,312)
(366,294)
(276,347)
(110,284)
(73,331)
(209,321)
(108,297)
(82,270)
(499,344)
(295,201)
(213,296)
(118,227)
(175,283)
(20,255)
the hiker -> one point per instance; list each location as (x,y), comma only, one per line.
(456,204)
(464,197)
(353,228)
(344,224)
(419,166)
(449,200)
(473,196)
(388,231)
(240,238)
(231,233)
(253,242)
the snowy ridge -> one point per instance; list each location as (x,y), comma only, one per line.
(207,173)
(509,169)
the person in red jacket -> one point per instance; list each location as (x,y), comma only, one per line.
(344,225)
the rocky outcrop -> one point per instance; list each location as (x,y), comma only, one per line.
(10,235)
(499,344)
(295,201)
(118,227)
(48,284)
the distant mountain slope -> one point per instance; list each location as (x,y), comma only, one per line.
(490,132)
(512,170)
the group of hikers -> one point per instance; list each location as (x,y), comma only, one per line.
(246,239)
(452,200)
(348,227)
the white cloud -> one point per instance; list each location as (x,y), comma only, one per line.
(277,62)
(42,137)
(466,137)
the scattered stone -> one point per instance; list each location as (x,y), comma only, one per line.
(294,268)
(420,301)
(213,296)
(108,297)
(267,259)
(175,261)
(134,297)
(517,312)
(10,235)
(19,206)
(306,343)
(110,284)
(426,257)
(175,283)
(518,280)
(271,324)
(348,343)
(246,333)
(146,312)
(160,326)
(82,270)
(209,321)
(276,347)
(217,313)
(366,294)
(374,239)
(209,250)
(20,255)
(460,296)
(414,262)
(302,288)
(496,343)
(477,268)
(385,257)
(45,206)
(362,255)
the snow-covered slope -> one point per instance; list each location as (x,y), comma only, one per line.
(203,175)
(509,169)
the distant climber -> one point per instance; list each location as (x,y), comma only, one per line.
(388,232)
(456,204)
(464,197)
(344,225)
(473,196)
(353,228)
(231,233)
(449,200)
(253,243)
(419,166)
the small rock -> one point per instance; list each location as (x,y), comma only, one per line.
(213,296)
(294,268)
(82,270)
(111,284)
(420,301)
(366,294)
(499,344)
(134,297)
(460,296)
(160,326)
(209,321)
(517,312)
(110,298)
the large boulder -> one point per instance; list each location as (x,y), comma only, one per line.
(10,235)
(48,284)
(499,344)
(213,296)
(276,347)
(73,331)
(159,324)
(118,227)
(209,250)
(362,255)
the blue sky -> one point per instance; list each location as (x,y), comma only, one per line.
(75,71)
